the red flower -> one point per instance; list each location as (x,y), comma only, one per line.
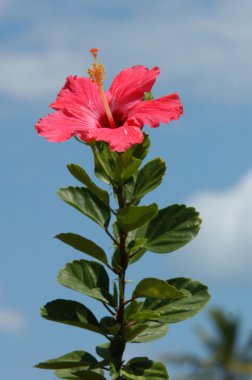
(81,109)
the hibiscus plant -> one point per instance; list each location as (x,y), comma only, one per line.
(111,123)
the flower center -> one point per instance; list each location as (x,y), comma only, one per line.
(97,73)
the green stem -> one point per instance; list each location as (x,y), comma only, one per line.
(124,264)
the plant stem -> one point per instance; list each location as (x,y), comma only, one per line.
(124,264)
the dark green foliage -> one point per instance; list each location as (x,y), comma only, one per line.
(84,245)
(135,229)
(87,203)
(87,277)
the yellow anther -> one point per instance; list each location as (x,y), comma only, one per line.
(97,74)
(97,71)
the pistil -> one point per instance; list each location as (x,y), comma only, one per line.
(97,73)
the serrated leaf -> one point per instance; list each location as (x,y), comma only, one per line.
(71,313)
(142,368)
(156,288)
(83,245)
(87,277)
(149,177)
(131,217)
(79,173)
(87,203)
(173,227)
(172,311)
(70,360)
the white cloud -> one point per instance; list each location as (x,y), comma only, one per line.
(223,248)
(11,320)
(204,48)
(38,74)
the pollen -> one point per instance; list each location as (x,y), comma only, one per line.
(96,72)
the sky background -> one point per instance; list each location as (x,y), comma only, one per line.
(204,51)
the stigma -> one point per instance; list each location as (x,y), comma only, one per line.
(97,74)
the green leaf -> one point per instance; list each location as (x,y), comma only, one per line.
(125,166)
(140,150)
(104,160)
(110,325)
(149,331)
(148,96)
(103,350)
(79,173)
(87,203)
(117,347)
(70,360)
(149,177)
(114,370)
(87,277)
(71,313)
(128,191)
(143,368)
(155,288)
(144,315)
(135,249)
(89,375)
(115,295)
(134,312)
(131,217)
(173,227)
(172,311)
(80,373)
(100,171)
(83,245)
(134,331)
(142,330)
(116,260)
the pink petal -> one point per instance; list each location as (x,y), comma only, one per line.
(79,94)
(154,112)
(129,86)
(120,139)
(60,126)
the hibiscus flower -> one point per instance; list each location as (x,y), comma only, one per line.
(116,116)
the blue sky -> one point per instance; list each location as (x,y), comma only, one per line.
(203,49)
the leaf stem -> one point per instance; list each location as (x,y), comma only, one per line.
(135,253)
(108,308)
(128,301)
(112,237)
